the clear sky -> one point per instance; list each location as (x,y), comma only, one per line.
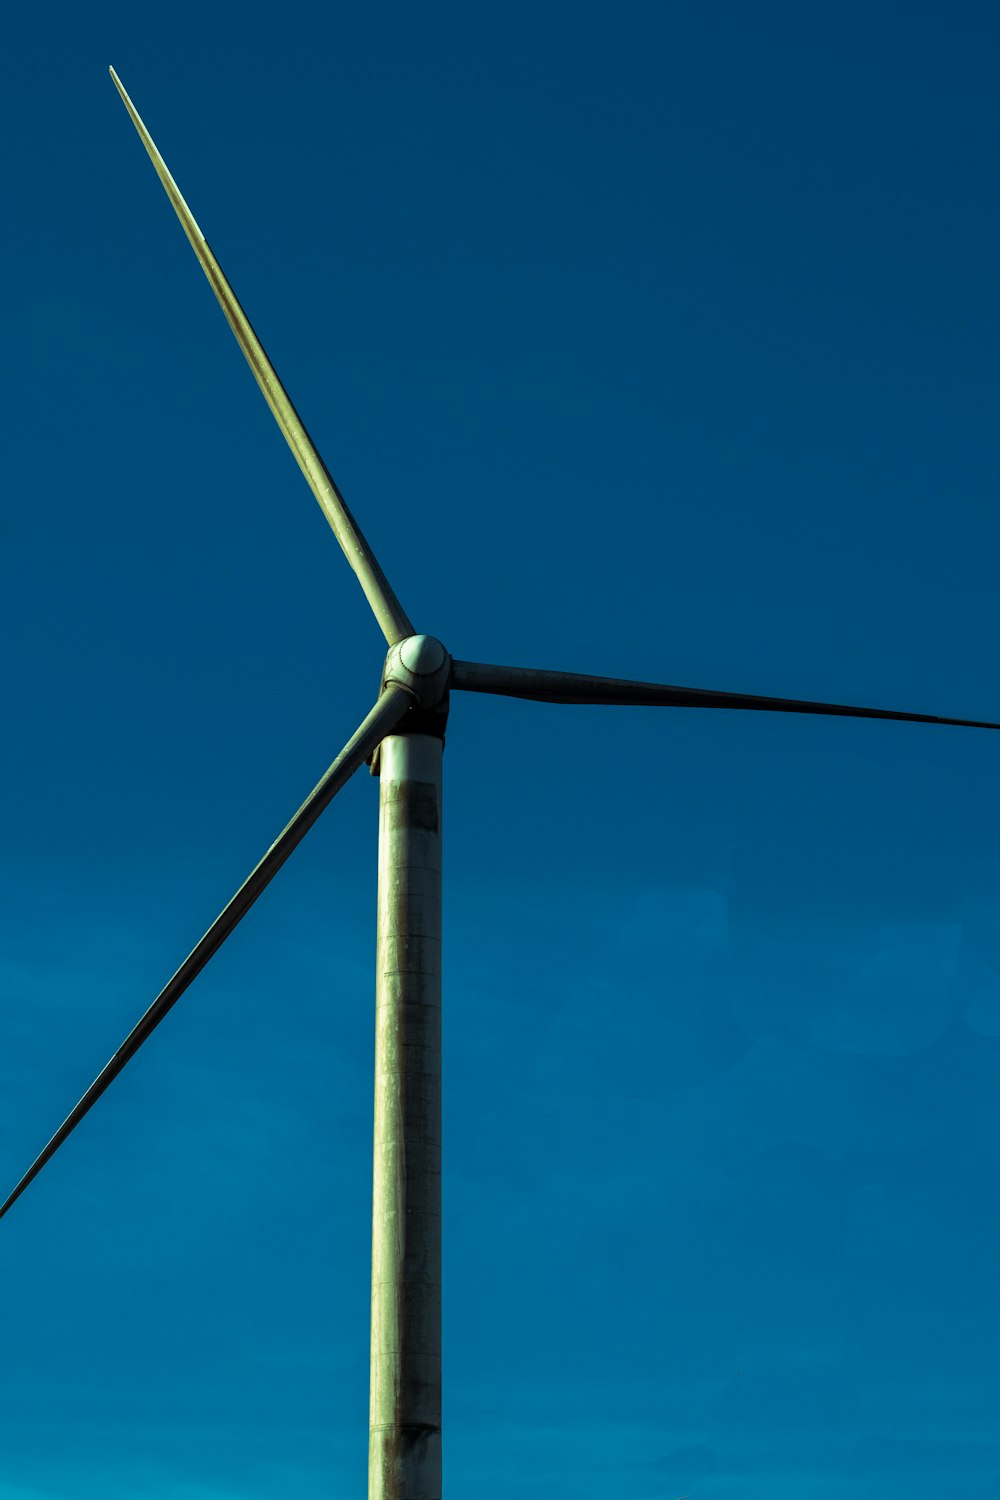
(656,340)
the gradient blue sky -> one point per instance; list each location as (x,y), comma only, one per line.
(655,340)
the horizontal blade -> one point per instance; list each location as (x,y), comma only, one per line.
(383,718)
(389,613)
(575,687)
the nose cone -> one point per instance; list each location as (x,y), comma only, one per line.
(422,666)
(422,655)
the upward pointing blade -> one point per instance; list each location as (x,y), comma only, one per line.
(576,687)
(390,708)
(390,614)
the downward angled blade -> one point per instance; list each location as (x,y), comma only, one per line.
(383,718)
(389,613)
(575,687)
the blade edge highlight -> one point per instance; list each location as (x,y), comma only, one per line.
(392,618)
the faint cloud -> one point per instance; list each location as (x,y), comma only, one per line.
(904,997)
(671,956)
(982,1012)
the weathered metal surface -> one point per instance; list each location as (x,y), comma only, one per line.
(576,687)
(404,1461)
(392,706)
(391,616)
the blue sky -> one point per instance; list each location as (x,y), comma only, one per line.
(652,340)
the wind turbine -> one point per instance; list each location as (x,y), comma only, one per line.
(402,737)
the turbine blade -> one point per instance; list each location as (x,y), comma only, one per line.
(389,613)
(390,708)
(575,687)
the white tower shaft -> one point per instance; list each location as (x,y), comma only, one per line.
(404,1454)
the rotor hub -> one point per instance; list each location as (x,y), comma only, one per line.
(422,666)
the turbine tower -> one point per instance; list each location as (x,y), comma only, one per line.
(402,738)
